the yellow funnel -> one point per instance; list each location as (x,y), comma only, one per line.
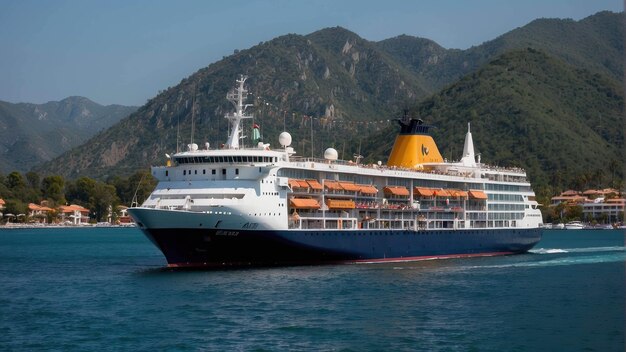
(413,146)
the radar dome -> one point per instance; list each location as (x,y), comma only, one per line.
(330,154)
(284,139)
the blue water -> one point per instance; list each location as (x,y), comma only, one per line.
(107,289)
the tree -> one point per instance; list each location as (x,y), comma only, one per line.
(15,181)
(15,207)
(80,190)
(33,179)
(574,212)
(140,182)
(102,201)
(143,184)
(52,188)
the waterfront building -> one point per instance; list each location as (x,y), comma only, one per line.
(73,213)
(38,213)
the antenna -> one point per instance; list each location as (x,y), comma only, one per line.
(177,133)
(193,111)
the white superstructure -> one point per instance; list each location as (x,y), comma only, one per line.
(262,188)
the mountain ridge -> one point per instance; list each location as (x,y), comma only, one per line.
(33,133)
(332,75)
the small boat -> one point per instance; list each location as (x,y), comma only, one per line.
(574,225)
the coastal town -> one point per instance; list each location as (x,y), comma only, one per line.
(64,215)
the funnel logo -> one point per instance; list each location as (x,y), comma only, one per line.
(424,150)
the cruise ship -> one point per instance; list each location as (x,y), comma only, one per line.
(262,206)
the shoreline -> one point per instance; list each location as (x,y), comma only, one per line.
(14,226)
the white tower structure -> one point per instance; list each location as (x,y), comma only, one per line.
(468,159)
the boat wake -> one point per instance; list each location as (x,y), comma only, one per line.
(569,256)
(576,250)
(547,251)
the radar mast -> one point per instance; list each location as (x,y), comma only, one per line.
(236,97)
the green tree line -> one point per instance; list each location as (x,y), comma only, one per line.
(18,190)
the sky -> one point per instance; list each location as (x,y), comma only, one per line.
(125,51)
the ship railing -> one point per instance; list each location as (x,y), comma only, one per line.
(310,162)
(306,222)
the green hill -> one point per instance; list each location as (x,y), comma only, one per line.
(595,43)
(561,123)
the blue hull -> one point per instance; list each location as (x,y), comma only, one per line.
(203,247)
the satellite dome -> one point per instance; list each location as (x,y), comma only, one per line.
(284,139)
(330,154)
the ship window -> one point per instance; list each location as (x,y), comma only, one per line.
(195,172)
(223,171)
(166,172)
(184,172)
(236,171)
(213,172)
(204,171)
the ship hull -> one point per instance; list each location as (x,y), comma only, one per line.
(202,247)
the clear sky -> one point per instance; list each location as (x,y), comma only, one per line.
(125,51)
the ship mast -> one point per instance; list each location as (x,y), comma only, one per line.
(236,97)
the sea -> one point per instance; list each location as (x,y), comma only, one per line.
(108,289)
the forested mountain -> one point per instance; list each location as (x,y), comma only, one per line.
(563,124)
(545,96)
(34,133)
(331,75)
(595,43)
